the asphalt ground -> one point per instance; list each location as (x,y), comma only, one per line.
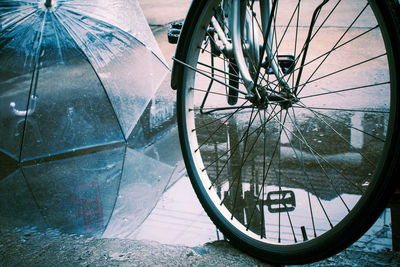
(32,247)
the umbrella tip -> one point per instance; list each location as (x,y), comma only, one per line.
(48,3)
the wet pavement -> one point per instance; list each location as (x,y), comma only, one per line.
(180,221)
(163,210)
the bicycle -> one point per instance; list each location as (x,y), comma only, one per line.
(288,120)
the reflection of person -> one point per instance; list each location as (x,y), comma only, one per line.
(90,207)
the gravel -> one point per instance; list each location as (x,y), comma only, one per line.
(30,247)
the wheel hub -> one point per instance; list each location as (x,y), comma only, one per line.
(264,97)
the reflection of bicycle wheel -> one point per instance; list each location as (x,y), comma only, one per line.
(301,172)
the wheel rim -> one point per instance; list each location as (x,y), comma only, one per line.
(326,145)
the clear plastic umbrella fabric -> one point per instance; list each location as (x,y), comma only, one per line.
(78,85)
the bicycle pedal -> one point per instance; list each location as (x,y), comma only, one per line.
(281,201)
(286,63)
(174,31)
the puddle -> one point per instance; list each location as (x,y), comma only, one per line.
(178,219)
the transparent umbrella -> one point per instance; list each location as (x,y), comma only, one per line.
(75,79)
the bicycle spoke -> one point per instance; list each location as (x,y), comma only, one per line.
(214,93)
(341,70)
(279,174)
(228,116)
(306,177)
(343,45)
(296,10)
(233,150)
(231,75)
(313,36)
(322,168)
(215,130)
(310,39)
(319,157)
(285,138)
(237,176)
(208,76)
(350,126)
(345,109)
(341,136)
(219,70)
(265,171)
(303,141)
(345,90)
(336,44)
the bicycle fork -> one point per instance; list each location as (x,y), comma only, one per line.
(238,25)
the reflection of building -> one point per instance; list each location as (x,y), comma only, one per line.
(336,156)
(158,117)
(316,174)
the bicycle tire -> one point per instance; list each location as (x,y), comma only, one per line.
(200,159)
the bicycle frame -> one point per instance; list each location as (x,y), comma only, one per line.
(239,24)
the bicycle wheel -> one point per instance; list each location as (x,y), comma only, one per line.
(303,171)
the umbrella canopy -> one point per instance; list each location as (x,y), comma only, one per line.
(76,80)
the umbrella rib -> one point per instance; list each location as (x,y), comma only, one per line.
(16,22)
(81,43)
(72,153)
(88,51)
(101,22)
(34,80)
(56,34)
(118,189)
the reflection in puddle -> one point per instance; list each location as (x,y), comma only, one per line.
(356,134)
(279,201)
(138,196)
(292,188)
(178,219)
